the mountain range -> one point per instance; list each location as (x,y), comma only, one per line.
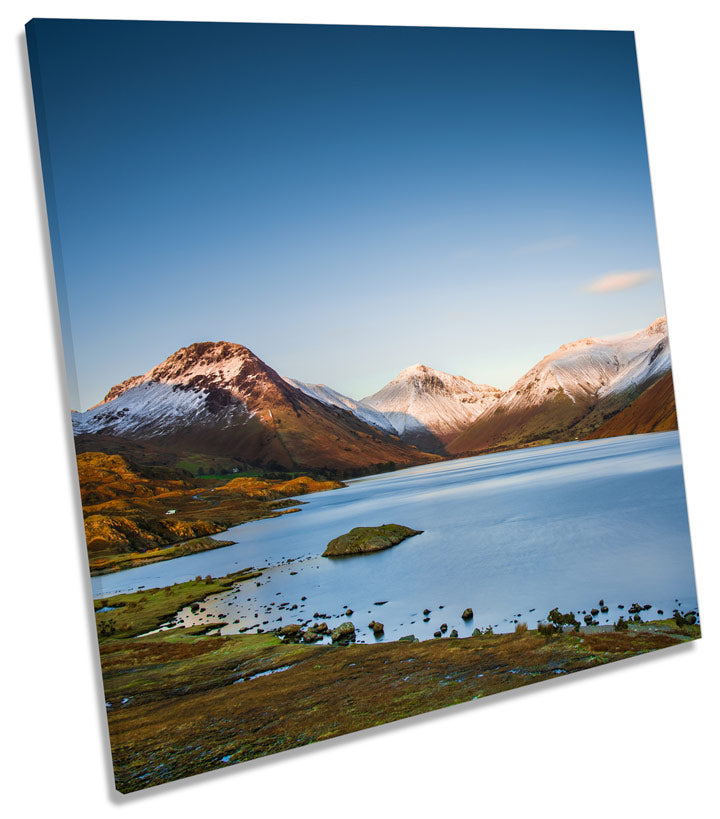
(219,401)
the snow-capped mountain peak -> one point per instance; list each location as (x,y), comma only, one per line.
(586,380)
(202,380)
(203,365)
(596,367)
(422,402)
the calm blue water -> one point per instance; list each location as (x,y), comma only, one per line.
(563,525)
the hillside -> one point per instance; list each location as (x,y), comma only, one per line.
(135,515)
(653,411)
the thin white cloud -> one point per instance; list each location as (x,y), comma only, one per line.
(622,280)
(547,245)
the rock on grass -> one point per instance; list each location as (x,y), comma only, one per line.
(366,539)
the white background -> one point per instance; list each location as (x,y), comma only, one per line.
(638,738)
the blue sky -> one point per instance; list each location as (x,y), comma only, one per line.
(345,201)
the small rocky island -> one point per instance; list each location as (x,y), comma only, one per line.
(365,539)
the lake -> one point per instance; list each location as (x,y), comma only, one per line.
(510,535)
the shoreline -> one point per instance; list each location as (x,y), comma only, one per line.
(196,609)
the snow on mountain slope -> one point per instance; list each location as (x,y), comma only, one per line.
(648,357)
(150,407)
(332,398)
(195,385)
(574,387)
(594,367)
(422,400)
(220,400)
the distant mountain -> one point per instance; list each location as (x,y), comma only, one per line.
(333,398)
(572,392)
(429,408)
(219,399)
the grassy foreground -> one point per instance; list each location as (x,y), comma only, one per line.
(181,702)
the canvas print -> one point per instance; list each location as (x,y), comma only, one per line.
(370,379)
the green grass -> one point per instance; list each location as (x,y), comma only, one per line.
(219,476)
(145,610)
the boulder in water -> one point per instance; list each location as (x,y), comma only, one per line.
(344,633)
